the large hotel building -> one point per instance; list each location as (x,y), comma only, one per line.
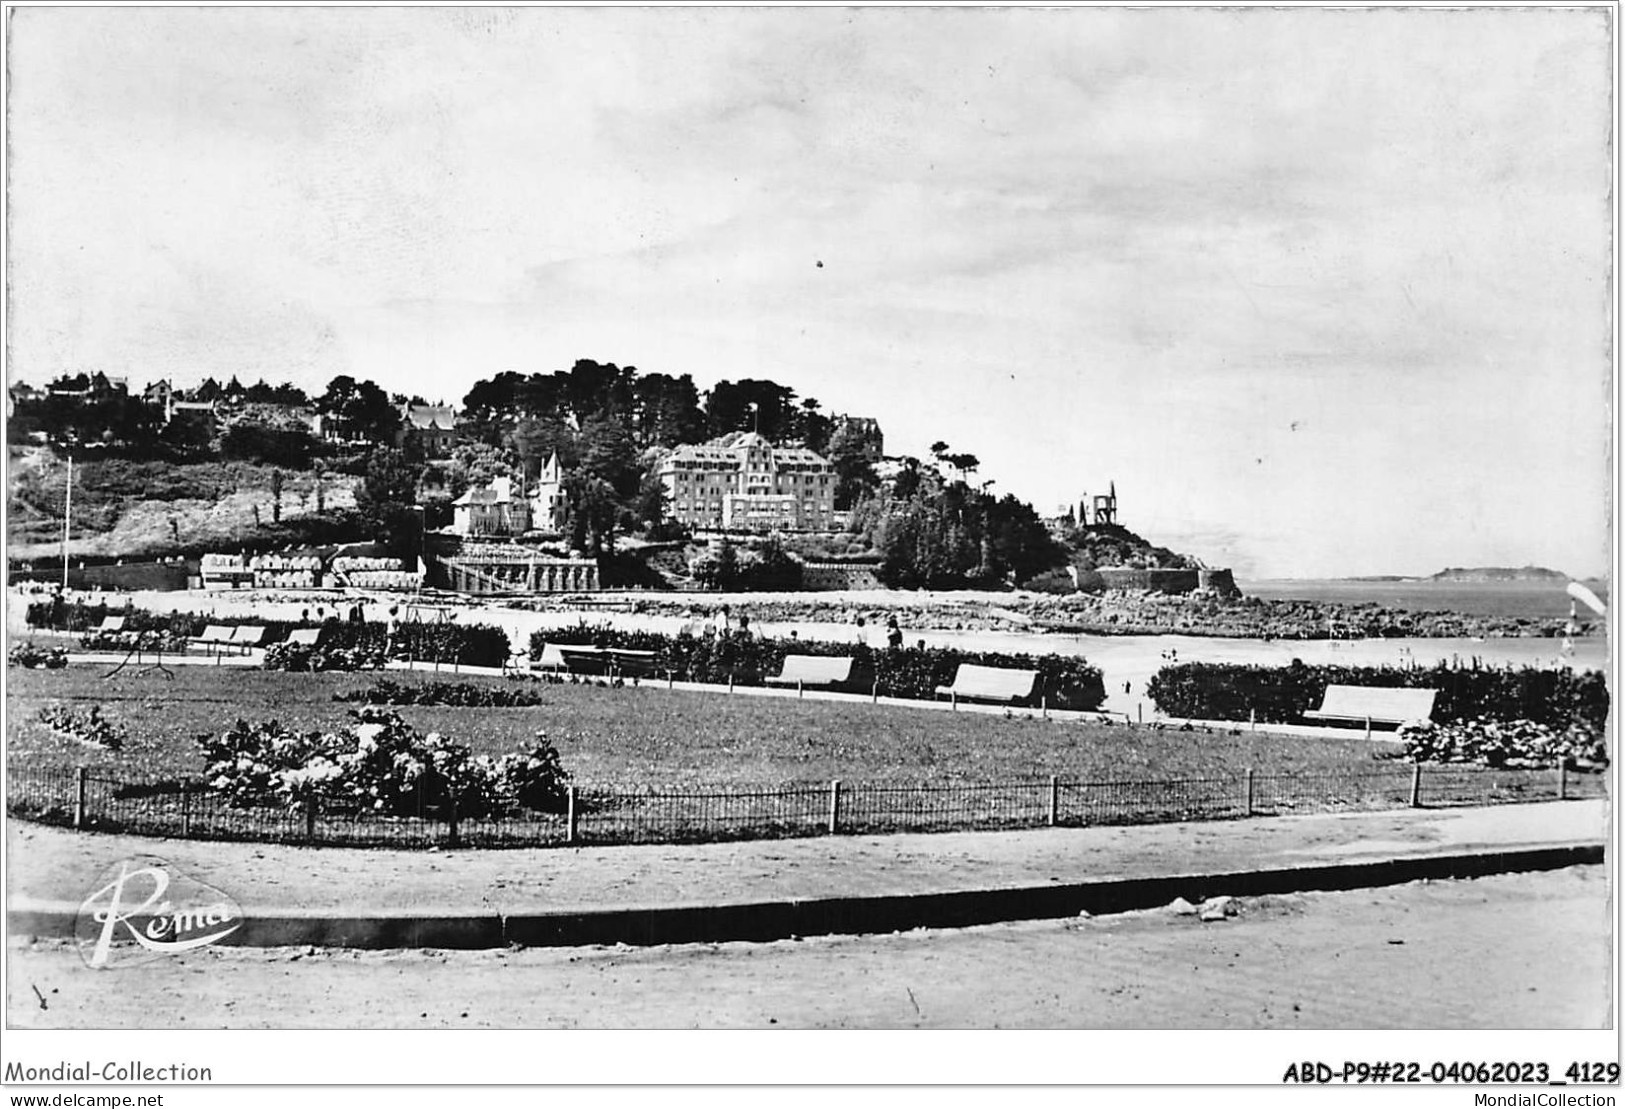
(742,481)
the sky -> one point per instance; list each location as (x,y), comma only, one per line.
(1323,292)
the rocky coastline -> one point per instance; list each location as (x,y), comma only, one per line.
(1114,613)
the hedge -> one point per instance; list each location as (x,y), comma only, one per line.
(1282,694)
(462,644)
(910,673)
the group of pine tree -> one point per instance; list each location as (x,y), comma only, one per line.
(609,427)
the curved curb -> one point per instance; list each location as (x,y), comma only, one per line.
(762,921)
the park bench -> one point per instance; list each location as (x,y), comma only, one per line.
(551,658)
(610,661)
(1371,705)
(630,664)
(110,625)
(305,637)
(247,637)
(816,671)
(584,660)
(990,683)
(215,637)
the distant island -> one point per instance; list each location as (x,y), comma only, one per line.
(1499,573)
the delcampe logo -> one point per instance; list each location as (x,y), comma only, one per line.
(145,909)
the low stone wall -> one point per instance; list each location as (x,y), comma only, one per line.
(830,576)
(1219,581)
(1154,581)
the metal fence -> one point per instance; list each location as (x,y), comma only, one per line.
(609,815)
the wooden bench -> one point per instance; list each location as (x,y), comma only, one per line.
(214,637)
(584,660)
(816,671)
(1370,705)
(247,637)
(551,658)
(631,664)
(305,637)
(990,683)
(110,625)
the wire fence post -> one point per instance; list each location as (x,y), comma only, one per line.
(874,693)
(80,790)
(799,690)
(1054,800)
(1043,705)
(186,810)
(1416,785)
(569,814)
(451,823)
(834,806)
(1249,791)
(1562,779)
(310,820)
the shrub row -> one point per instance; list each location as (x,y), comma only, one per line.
(911,673)
(380,764)
(86,725)
(385,691)
(1513,744)
(344,645)
(1282,694)
(302,658)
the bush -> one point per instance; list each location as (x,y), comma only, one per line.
(385,691)
(1511,744)
(459,644)
(31,657)
(911,673)
(1052,581)
(85,725)
(1282,694)
(363,654)
(379,764)
(535,777)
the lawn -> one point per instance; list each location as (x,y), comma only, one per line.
(652,736)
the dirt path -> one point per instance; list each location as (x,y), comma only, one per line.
(1510,951)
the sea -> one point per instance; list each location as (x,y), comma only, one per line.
(1532,599)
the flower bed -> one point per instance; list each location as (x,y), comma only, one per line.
(1509,744)
(30,657)
(457,694)
(379,764)
(87,725)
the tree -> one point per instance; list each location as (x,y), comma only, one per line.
(717,568)
(963,464)
(750,405)
(276,496)
(813,427)
(361,409)
(666,411)
(387,500)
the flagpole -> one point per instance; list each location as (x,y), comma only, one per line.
(67,517)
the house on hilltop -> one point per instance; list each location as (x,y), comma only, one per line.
(492,510)
(433,427)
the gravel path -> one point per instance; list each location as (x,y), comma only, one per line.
(1411,956)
